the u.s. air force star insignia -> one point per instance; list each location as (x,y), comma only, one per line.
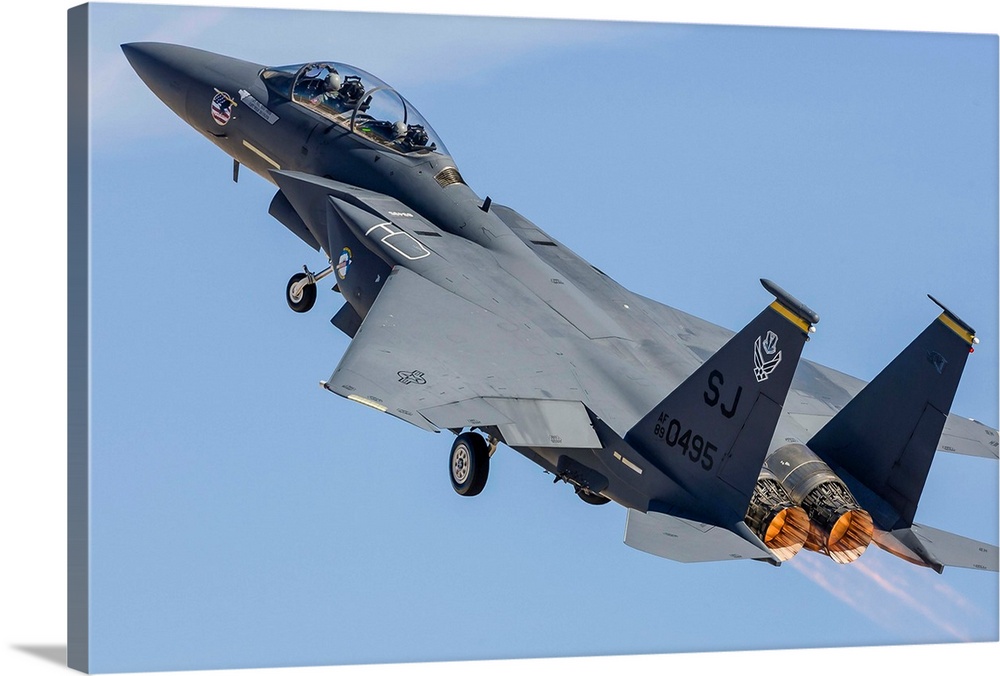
(762,366)
(411,377)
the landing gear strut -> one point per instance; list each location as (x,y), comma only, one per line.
(469,464)
(301,290)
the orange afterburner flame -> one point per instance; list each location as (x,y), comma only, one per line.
(850,536)
(838,527)
(846,540)
(780,524)
(787,532)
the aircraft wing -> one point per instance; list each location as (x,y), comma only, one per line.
(405,362)
(817,393)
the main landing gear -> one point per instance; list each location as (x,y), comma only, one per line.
(470,463)
(301,290)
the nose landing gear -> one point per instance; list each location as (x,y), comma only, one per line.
(301,290)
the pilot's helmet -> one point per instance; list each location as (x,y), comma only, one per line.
(399,128)
(333,82)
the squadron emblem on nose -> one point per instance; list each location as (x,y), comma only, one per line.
(222,107)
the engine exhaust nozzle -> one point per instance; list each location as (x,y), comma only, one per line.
(839,527)
(780,524)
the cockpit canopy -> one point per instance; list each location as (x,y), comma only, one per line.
(357,101)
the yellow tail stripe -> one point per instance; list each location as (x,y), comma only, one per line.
(970,338)
(790,316)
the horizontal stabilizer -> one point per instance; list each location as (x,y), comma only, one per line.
(933,548)
(886,436)
(711,433)
(965,436)
(689,541)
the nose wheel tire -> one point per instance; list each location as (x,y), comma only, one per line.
(300,294)
(469,464)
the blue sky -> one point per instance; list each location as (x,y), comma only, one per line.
(244,517)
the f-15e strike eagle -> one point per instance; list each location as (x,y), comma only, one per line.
(720,445)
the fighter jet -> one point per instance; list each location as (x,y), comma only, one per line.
(465,316)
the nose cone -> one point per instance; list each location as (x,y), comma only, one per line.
(168,70)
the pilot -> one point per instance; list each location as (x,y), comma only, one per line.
(340,92)
(410,136)
(323,88)
(312,82)
(331,87)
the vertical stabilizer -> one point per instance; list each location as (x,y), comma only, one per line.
(710,435)
(886,436)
